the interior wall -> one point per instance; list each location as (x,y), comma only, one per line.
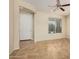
(68,26)
(41,27)
(11,20)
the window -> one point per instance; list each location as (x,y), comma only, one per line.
(54,25)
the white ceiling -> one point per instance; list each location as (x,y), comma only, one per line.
(42,5)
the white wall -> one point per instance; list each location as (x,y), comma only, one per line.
(26,26)
(68,26)
(11,20)
(41,27)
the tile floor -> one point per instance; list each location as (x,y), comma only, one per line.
(49,49)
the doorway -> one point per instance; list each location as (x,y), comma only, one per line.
(26,27)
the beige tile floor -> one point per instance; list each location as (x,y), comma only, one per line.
(51,49)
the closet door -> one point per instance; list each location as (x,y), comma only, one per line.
(26,26)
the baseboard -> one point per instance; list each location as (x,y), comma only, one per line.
(49,39)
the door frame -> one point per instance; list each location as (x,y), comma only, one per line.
(17,4)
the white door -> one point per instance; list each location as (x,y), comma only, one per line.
(26,26)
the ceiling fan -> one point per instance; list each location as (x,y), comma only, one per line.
(58,5)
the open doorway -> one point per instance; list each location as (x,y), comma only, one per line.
(26,27)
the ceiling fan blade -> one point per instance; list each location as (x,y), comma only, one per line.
(51,6)
(62,9)
(65,5)
(55,9)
